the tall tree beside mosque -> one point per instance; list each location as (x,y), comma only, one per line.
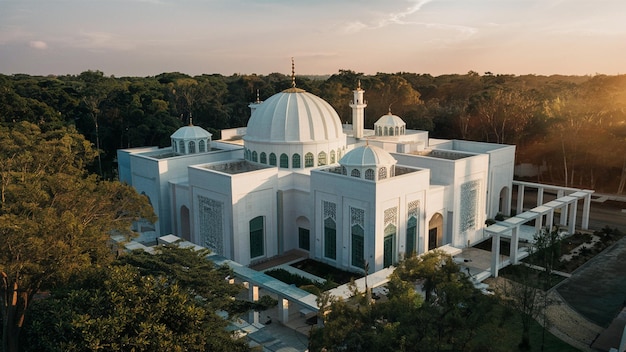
(55,217)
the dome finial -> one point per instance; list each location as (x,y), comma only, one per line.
(358,85)
(190,119)
(389,113)
(293,73)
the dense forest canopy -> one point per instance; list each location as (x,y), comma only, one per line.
(574,126)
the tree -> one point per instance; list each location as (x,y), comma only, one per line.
(166,301)
(55,218)
(527,293)
(447,318)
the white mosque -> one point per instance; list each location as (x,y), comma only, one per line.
(296,178)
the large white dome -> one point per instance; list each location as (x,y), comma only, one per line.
(294,115)
(294,129)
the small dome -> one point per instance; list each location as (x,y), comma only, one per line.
(191,132)
(294,116)
(367,156)
(390,120)
(389,125)
(190,140)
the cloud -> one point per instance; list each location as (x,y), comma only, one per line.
(38,44)
(387,19)
(100,41)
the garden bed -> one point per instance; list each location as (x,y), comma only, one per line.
(326,271)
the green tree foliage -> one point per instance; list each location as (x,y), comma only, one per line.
(55,218)
(188,269)
(572,123)
(143,302)
(447,317)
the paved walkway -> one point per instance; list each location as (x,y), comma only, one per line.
(568,325)
(562,321)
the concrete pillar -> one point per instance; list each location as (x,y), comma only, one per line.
(564,213)
(495,254)
(283,310)
(586,209)
(520,199)
(539,196)
(550,220)
(539,222)
(572,218)
(514,244)
(253,296)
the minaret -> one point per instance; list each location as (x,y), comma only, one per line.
(255,104)
(358,111)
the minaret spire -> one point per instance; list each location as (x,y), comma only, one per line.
(190,119)
(293,73)
(358,105)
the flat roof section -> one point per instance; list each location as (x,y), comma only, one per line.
(235,167)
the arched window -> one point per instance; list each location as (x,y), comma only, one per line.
(308,160)
(397,131)
(257,237)
(192,147)
(254,156)
(284,161)
(389,245)
(330,238)
(355,173)
(263,158)
(332,156)
(272,159)
(391,131)
(295,161)
(181,147)
(411,236)
(174,146)
(369,174)
(382,173)
(304,239)
(344,171)
(321,159)
(386,131)
(358,246)
(201,146)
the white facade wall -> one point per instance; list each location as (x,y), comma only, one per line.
(152,176)
(179,196)
(501,170)
(392,194)
(454,174)
(243,197)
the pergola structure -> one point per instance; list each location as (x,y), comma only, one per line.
(543,216)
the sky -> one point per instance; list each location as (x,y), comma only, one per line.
(149,37)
